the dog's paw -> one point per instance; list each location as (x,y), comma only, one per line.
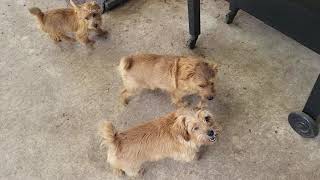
(141,172)
(182,104)
(197,157)
(118,172)
(103,33)
(71,40)
(125,101)
(90,44)
(202,104)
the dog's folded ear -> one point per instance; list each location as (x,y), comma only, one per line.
(180,128)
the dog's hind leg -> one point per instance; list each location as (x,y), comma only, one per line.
(55,37)
(126,95)
(134,171)
(67,38)
(118,172)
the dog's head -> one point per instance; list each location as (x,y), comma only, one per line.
(200,76)
(198,126)
(90,12)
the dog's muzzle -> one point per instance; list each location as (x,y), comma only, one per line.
(212,135)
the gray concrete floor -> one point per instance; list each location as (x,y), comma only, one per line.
(52,100)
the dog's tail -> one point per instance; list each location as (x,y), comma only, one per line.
(126,63)
(37,12)
(108,133)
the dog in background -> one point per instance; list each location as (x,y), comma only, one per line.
(81,19)
(178,75)
(178,135)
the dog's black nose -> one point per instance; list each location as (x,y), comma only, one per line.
(210,98)
(210,133)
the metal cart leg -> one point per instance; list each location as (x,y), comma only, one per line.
(306,122)
(194,22)
(110,4)
(233,11)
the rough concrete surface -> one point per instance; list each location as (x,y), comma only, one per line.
(52,99)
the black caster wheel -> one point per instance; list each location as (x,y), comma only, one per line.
(192,42)
(230,17)
(303,124)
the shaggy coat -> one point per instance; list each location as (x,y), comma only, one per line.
(177,135)
(178,75)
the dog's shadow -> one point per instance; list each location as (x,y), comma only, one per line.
(146,106)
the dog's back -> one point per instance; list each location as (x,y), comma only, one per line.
(137,145)
(57,20)
(148,71)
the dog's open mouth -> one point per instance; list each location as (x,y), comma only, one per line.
(212,139)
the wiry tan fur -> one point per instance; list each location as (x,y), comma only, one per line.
(178,135)
(81,19)
(178,75)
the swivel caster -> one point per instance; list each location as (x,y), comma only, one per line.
(303,124)
(230,16)
(192,42)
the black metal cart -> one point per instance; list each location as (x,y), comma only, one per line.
(298,19)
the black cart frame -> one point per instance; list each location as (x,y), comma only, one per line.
(303,27)
(306,122)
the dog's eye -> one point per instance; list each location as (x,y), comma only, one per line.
(202,85)
(94,15)
(195,128)
(207,118)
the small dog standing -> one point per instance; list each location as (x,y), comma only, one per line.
(81,19)
(178,135)
(178,75)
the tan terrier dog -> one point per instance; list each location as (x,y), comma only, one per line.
(178,75)
(178,135)
(81,19)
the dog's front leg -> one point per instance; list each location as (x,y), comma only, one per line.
(125,96)
(188,157)
(83,37)
(101,32)
(203,103)
(177,99)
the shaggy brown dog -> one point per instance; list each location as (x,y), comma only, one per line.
(178,75)
(81,19)
(178,135)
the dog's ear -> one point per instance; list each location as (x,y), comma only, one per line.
(74,5)
(180,128)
